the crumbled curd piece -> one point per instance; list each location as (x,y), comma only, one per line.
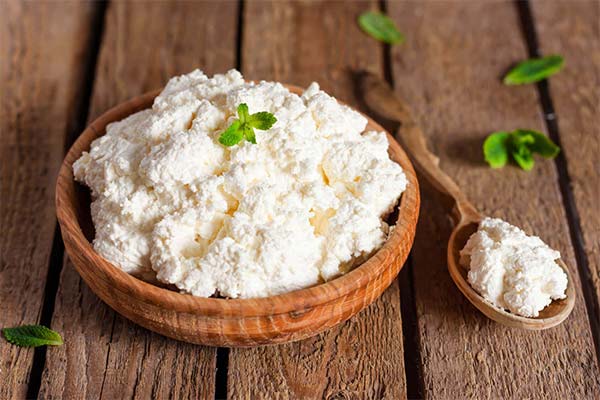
(512,270)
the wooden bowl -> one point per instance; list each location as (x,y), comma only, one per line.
(227,322)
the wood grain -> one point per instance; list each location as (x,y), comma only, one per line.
(39,96)
(572,29)
(449,70)
(106,356)
(362,358)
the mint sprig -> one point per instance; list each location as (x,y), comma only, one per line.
(243,127)
(380,27)
(534,70)
(32,336)
(520,144)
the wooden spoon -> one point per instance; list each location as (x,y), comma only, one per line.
(380,98)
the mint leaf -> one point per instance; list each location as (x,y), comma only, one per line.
(232,135)
(249,134)
(534,70)
(243,113)
(244,126)
(262,120)
(521,137)
(520,140)
(524,158)
(495,149)
(541,143)
(32,336)
(521,144)
(380,27)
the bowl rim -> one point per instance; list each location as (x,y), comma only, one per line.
(295,301)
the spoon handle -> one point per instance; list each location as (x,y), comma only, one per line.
(380,97)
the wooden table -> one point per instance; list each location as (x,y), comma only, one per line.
(63,64)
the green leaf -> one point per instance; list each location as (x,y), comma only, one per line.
(244,126)
(32,336)
(524,158)
(232,135)
(534,70)
(243,113)
(541,144)
(521,137)
(495,149)
(262,120)
(380,27)
(249,134)
(521,144)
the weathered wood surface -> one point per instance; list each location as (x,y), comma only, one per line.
(449,70)
(106,356)
(39,98)
(572,29)
(362,358)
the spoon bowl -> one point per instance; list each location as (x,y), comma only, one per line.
(555,313)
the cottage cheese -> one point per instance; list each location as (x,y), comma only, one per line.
(299,207)
(512,270)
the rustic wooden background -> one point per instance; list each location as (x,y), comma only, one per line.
(64,63)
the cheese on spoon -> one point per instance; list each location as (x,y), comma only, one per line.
(512,270)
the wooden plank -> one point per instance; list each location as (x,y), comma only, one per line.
(362,358)
(450,70)
(572,29)
(106,356)
(41,72)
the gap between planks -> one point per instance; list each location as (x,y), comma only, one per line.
(564,180)
(221,373)
(410,331)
